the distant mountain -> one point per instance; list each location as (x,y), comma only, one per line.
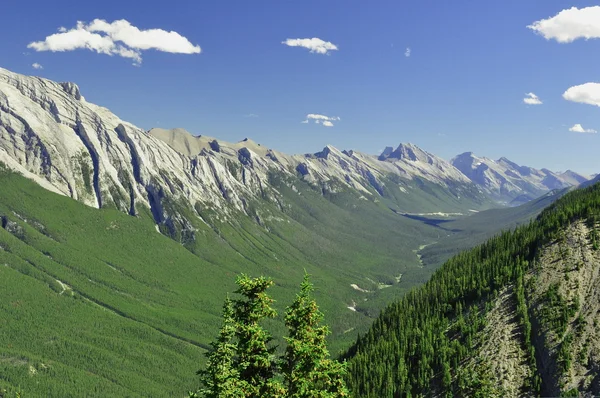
(574,178)
(507,181)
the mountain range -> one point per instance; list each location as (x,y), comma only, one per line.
(51,134)
(505,180)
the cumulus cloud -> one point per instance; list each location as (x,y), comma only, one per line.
(407,52)
(115,38)
(570,24)
(588,93)
(315,45)
(37,66)
(532,99)
(324,120)
(578,128)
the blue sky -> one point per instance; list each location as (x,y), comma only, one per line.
(462,88)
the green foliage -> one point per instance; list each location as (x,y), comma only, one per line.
(307,369)
(243,365)
(221,378)
(565,353)
(574,392)
(428,329)
(255,361)
(476,382)
(555,311)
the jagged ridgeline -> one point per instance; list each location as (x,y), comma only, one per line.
(515,316)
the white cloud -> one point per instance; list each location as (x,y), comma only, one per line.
(252,115)
(326,121)
(316,116)
(37,66)
(578,128)
(407,52)
(588,93)
(315,45)
(532,99)
(115,38)
(570,24)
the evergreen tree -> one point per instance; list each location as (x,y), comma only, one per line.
(255,360)
(307,369)
(220,378)
(242,364)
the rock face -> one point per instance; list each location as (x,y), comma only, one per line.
(507,181)
(51,134)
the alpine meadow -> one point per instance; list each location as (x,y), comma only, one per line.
(309,200)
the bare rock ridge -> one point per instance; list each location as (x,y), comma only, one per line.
(52,135)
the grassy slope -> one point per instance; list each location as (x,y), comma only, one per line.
(139,308)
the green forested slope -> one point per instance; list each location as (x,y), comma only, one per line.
(97,301)
(420,344)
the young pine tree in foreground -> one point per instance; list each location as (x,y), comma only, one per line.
(307,369)
(255,361)
(243,365)
(221,378)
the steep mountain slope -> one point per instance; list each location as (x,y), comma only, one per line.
(593,181)
(509,182)
(516,316)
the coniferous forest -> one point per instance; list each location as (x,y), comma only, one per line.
(419,344)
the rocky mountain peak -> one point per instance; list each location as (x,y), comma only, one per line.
(386,153)
(72,89)
(408,152)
